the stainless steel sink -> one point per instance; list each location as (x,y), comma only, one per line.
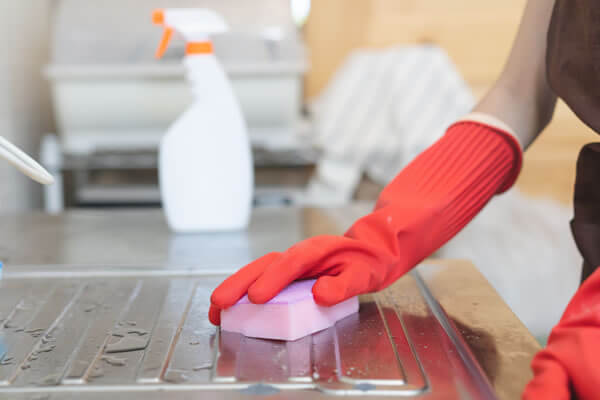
(63,331)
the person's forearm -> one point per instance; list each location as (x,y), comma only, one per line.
(522,98)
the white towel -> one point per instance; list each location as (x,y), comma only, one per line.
(380,110)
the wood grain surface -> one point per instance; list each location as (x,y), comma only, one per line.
(498,339)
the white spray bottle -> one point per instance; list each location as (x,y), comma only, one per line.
(205,161)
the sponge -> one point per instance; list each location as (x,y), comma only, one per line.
(290,315)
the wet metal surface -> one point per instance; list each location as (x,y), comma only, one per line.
(70,333)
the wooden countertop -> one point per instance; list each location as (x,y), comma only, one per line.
(498,339)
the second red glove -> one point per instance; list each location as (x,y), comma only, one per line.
(568,367)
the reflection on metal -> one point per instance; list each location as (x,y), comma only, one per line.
(55,332)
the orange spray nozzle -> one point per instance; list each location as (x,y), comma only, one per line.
(158,18)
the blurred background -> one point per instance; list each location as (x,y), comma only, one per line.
(338,95)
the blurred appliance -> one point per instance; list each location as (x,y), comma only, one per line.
(112,97)
(129,106)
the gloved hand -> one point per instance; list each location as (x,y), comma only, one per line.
(422,208)
(568,367)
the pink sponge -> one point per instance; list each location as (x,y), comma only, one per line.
(290,315)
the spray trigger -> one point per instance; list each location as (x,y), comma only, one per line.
(158,18)
(194,25)
(164,42)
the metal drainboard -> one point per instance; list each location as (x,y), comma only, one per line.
(57,329)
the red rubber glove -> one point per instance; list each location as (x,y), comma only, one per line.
(568,367)
(423,207)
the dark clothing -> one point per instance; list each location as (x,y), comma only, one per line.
(573,57)
(586,221)
(573,69)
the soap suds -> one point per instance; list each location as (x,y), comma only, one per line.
(47,339)
(260,389)
(175,377)
(364,387)
(51,380)
(116,361)
(35,330)
(7,361)
(44,349)
(140,332)
(127,343)
(206,365)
